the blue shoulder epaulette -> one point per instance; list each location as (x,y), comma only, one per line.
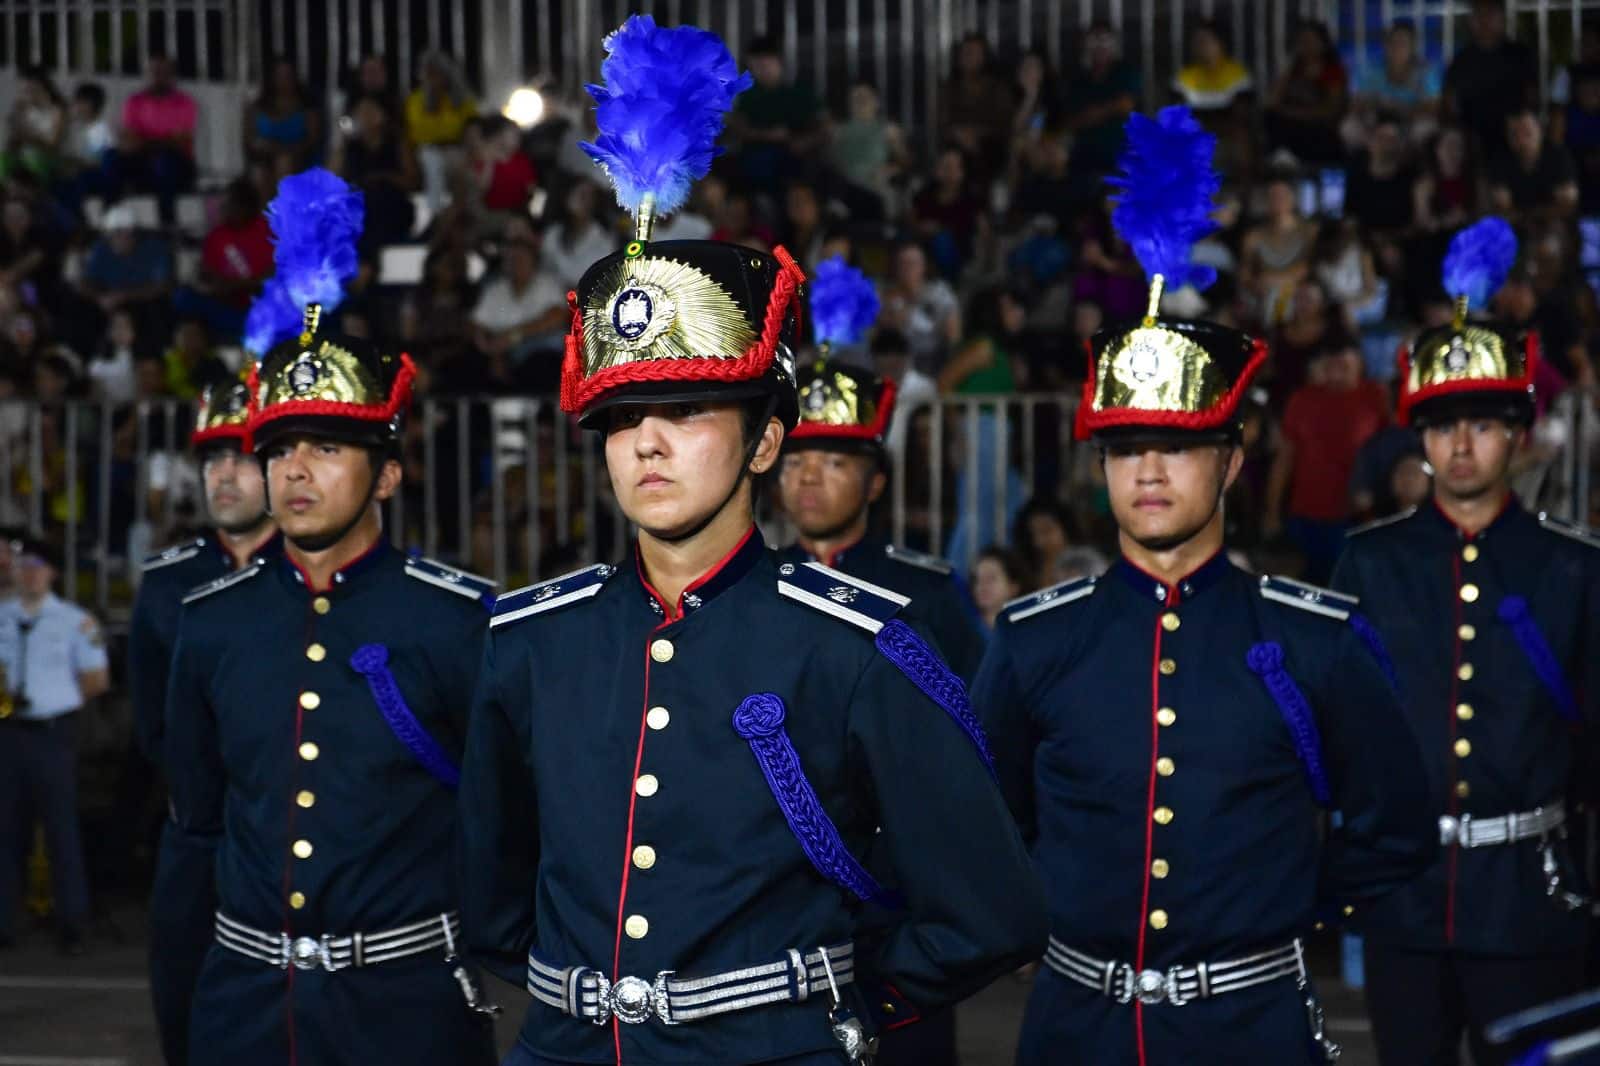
(226,581)
(1575,530)
(1043,600)
(1379,523)
(858,602)
(175,554)
(550,595)
(1313,598)
(462,583)
(939,566)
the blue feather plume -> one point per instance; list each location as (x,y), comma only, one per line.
(844,302)
(1167,184)
(316,223)
(660,110)
(1478,261)
(273,317)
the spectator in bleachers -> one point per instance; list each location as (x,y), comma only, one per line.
(435,321)
(804,226)
(1108,274)
(1218,88)
(1308,101)
(1446,193)
(1038,108)
(1041,532)
(283,119)
(976,106)
(191,363)
(949,214)
(110,367)
(1048,189)
(1575,126)
(867,153)
(372,78)
(156,152)
(521,315)
(1491,78)
(1536,180)
(998,577)
(506,177)
(36,127)
(777,123)
(983,364)
(89,142)
(922,308)
(580,236)
(129,270)
(916,391)
(375,156)
(1276,253)
(1404,87)
(1342,261)
(738,223)
(1325,423)
(437,113)
(1379,181)
(1312,323)
(1373,490)
(1099,99)
(30,254)
(235,259)
(1554,314)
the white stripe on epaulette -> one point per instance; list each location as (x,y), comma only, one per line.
(1379,523)
(1066,592)
(457,587)
(851,579)
(225,582)
(602,570)
(1311,598)
(176,554)
(1572,530)
(920,559)
(827,606)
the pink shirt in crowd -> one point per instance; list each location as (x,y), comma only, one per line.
(160,116)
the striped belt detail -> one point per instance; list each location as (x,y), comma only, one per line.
(583,992)
(1468,831)
(333,953)
(1176,985)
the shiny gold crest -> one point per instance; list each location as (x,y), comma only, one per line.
(1464,353)
(324,371)
(652,308)
(835,399)
(1153,368)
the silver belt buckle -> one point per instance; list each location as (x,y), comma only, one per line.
(1449,830)
(1149,987)
(303,953)
(633,1000)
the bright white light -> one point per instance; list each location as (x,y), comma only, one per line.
(525,108)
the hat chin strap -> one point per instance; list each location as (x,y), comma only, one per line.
(744,472)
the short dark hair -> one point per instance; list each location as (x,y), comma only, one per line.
(764,45)
(91,94)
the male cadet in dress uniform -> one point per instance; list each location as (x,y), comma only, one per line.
(183,901)
(315,719)
(1170,734)
(834,468)
(1493,618)
(676,762)
(54,661)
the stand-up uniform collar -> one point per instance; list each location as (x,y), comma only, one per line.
(836,558)
(709,585)
(1509,510)
(1169,593)
(344,575)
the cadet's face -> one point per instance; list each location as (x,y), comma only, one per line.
(321,486)
(1162,495)
(1470,456)
(673,464)
(236,493)
(824,491)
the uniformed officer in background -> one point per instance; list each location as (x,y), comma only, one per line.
(54,660)
(835,467)
(1493,617)
(183,901)
(677,761)
(1172,734)
(316,714)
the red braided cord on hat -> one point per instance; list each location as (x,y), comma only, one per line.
(1217,414)
(1511,386)
(577,393)
(399,400)
(234,432)
(871,431)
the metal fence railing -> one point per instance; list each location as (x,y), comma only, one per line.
(509,487)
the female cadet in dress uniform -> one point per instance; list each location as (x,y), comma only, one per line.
(676,762)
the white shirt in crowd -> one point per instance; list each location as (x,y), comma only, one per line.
(501,308)
(44,653)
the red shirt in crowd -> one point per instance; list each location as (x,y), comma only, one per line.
(155,116)
(510,184)
(239,253)
(1327,426)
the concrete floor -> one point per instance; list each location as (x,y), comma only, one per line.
(94,1011)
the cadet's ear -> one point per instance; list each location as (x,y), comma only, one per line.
(768,447)
(390,474)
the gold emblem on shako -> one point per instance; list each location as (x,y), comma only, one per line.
(1457,358)
(640,313)
(304,373)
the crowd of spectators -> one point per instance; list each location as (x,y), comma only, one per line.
(989,234)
